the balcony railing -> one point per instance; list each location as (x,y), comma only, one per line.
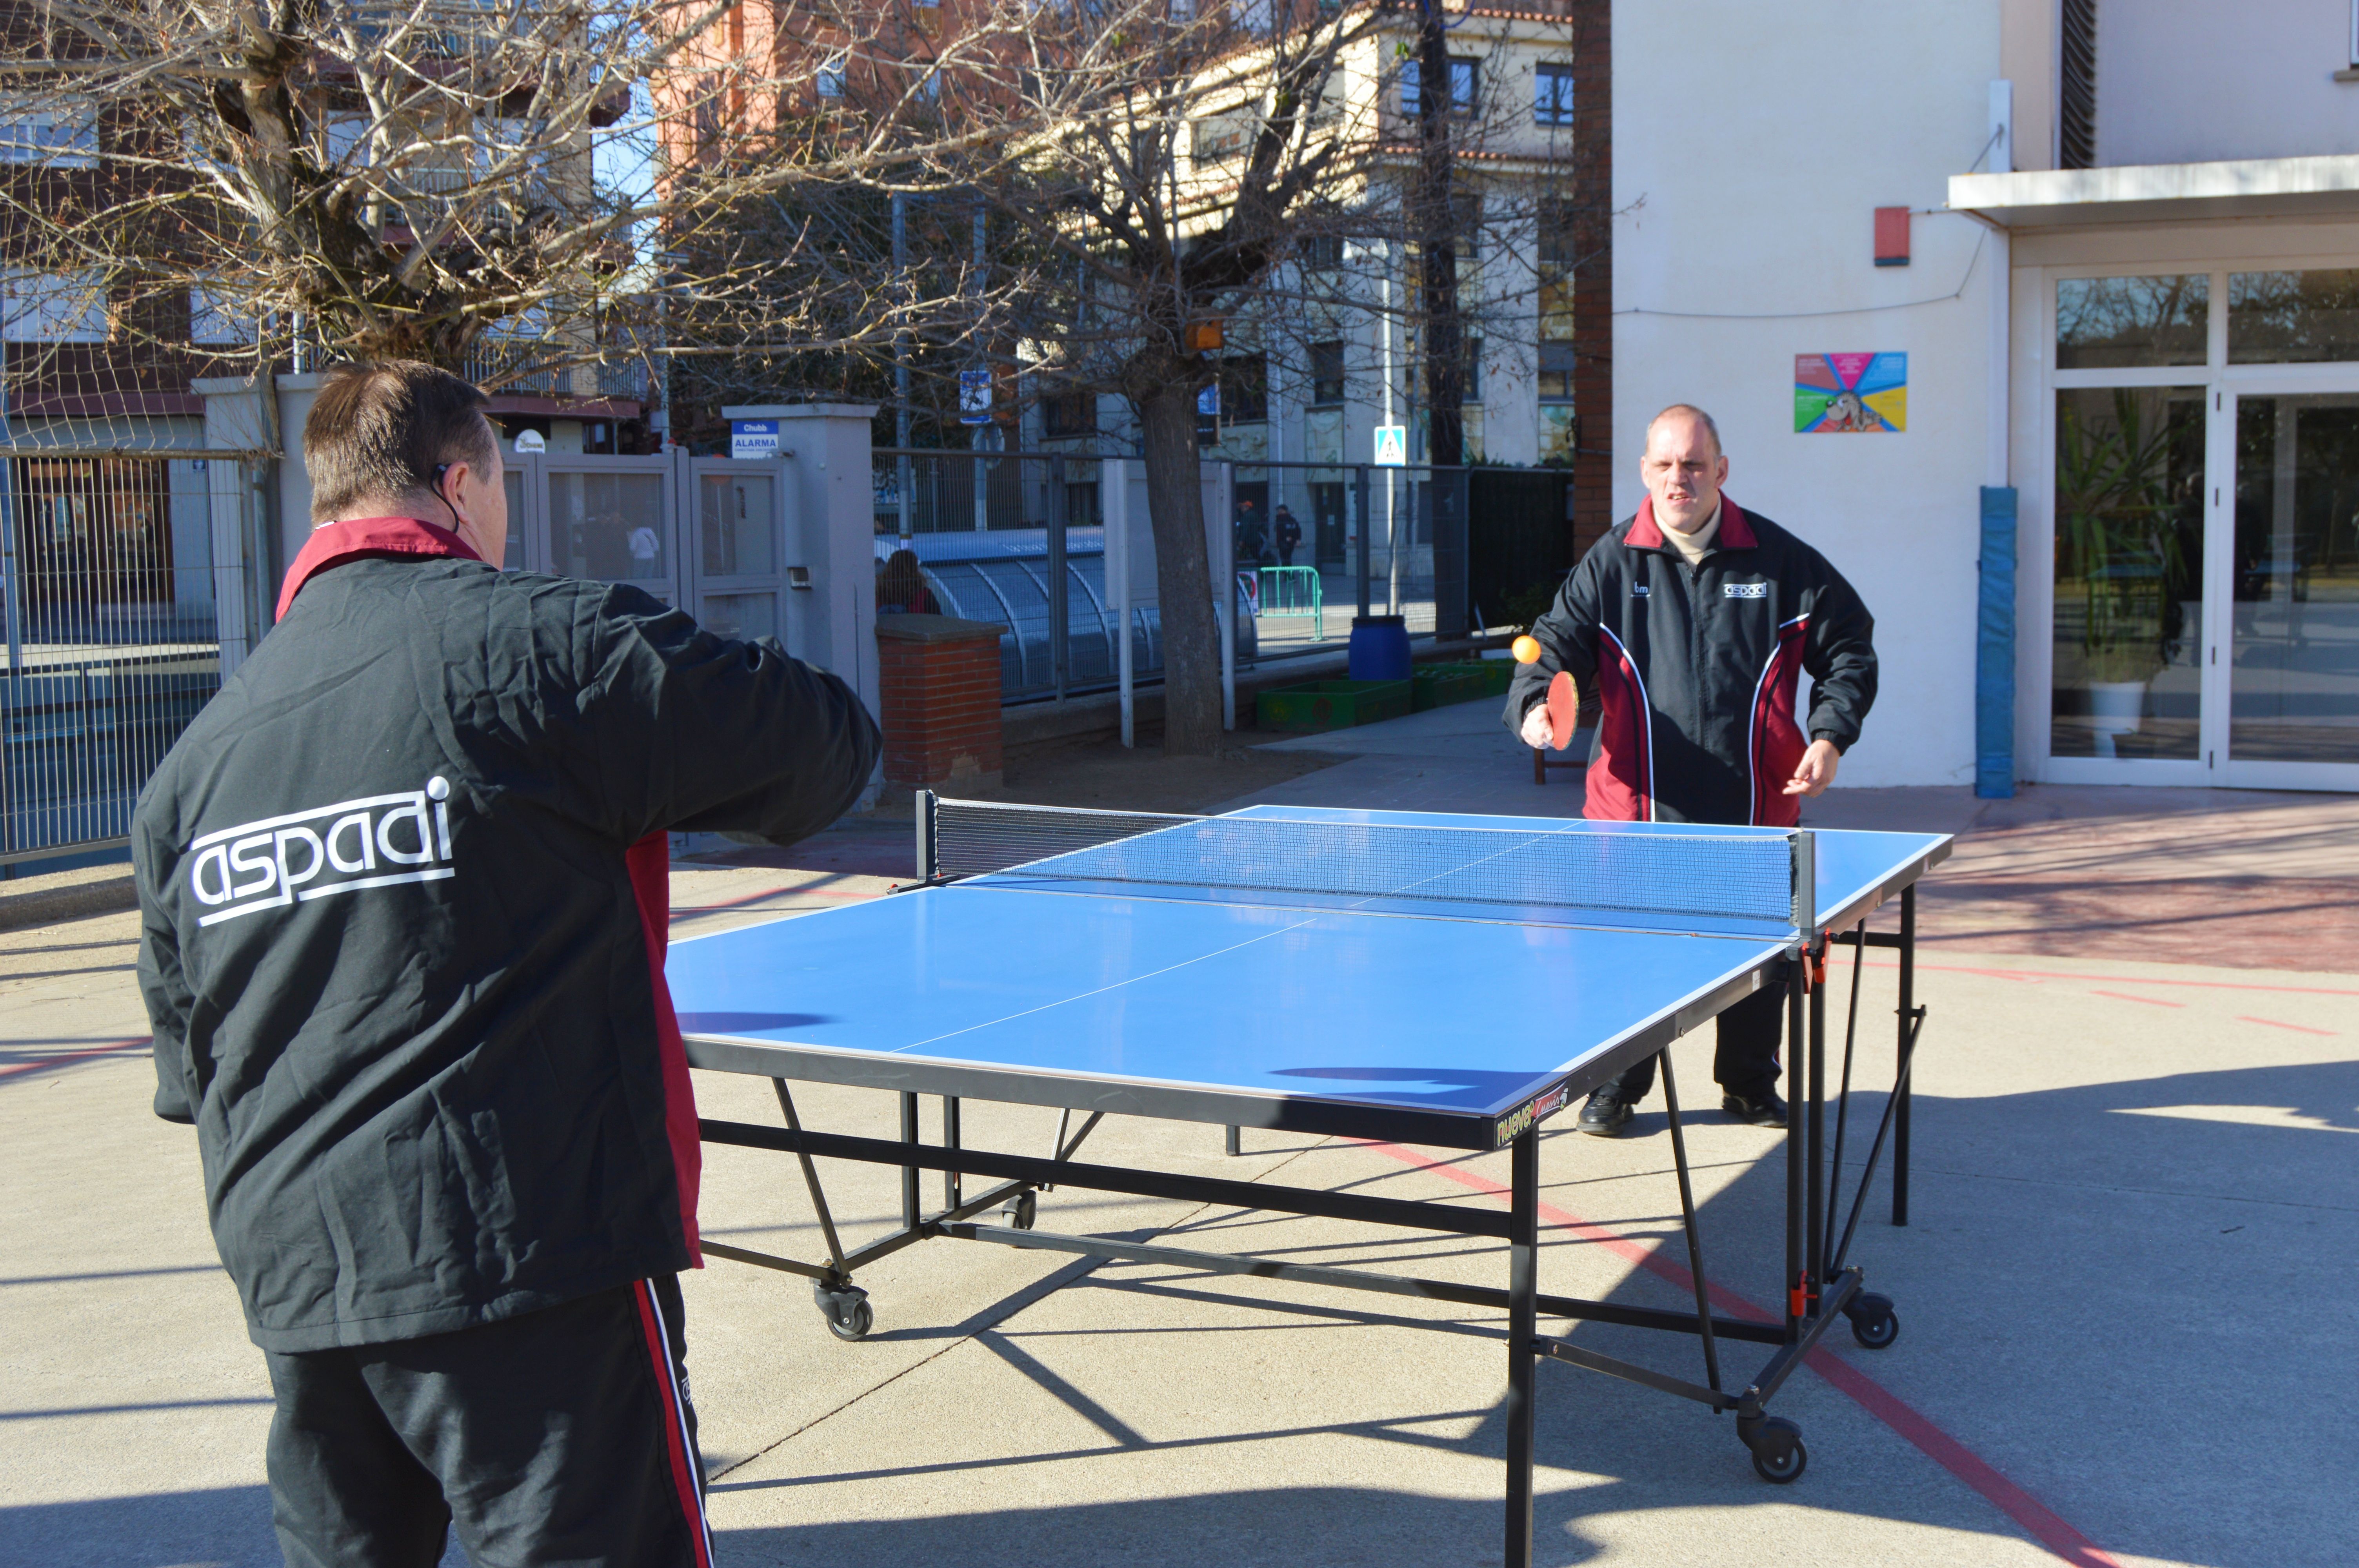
(522,368)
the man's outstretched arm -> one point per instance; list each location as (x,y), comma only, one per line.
(1567,634)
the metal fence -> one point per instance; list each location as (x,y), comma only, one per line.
(987,534)
(127,598)
(1445,548)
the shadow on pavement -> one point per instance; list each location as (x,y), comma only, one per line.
(229,1526)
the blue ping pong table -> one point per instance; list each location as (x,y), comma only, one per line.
(1322,972)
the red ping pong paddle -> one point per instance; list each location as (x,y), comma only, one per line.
(1563,709)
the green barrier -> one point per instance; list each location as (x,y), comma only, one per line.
(1332,704)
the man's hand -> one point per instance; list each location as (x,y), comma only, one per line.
(1816,771)
(1535,726)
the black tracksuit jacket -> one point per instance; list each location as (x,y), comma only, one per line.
(1691,671)
(402,903)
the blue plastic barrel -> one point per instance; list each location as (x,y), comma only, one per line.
(1379,647)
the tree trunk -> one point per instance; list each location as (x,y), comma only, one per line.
(1438,221)
(1175,504)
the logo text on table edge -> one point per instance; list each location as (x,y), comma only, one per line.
(1525,1117)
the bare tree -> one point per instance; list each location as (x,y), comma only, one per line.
(579,186)
(319,178)
(1153,176)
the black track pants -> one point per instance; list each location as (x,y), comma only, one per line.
(563,1436)
(1745,1062)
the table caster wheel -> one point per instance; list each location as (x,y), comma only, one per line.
(1872,1322)
(1021,1211)
(846,1309)
(1777,1444)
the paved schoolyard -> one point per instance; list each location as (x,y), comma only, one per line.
(2124,1307)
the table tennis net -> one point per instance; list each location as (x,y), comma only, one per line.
(1748,878)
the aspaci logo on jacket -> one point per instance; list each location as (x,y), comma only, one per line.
(304,855)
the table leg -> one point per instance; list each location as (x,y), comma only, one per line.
(1523,1327)
(1235,1146)
(910,1215)
(1814,1224)
(1907,1017)
(1795,1028)
(950,1141)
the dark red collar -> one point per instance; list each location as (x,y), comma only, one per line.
(1735,532)
(332,544)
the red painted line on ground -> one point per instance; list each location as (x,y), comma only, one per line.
(72,1056)
(2149,1000)
(1837,954)
(2273,1023)
(2042,1522)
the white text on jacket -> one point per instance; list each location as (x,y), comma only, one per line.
(304,855)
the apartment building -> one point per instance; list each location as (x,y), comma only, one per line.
(1333,353)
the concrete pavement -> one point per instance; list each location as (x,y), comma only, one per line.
(2124,1299)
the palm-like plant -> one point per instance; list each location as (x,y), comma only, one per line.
(2121,528)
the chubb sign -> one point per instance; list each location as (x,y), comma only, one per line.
(379,841)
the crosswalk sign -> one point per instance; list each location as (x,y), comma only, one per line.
(1391,446)
(974,397)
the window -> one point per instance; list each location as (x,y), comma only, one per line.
(1069,412)
(1245,389)
(1327,100)
(1555,373)
(216,315)
(829,80)
(1552,95)
(1470,388)
(1223,136)
(1558,255)
(2293,318)
(52,307)
(61,132)
(1327,372)
(2106,323)
(1465,84)
(1321,253)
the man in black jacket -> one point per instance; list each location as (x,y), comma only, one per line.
(1688,629)
(403,905)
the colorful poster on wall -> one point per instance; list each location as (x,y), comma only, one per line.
(1851,394)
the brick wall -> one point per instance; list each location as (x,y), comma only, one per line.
(939,691)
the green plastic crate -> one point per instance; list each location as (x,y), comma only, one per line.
(1439,685)
(1332,704)
(1495,674)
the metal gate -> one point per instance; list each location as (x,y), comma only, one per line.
(129,596)
(709,535)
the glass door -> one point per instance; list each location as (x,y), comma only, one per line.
(2128,607)
(2287,678)
(2203,603)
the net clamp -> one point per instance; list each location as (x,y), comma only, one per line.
(1798,1299)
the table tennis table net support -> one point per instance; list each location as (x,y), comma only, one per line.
(1761,879)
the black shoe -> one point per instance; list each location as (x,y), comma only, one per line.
(1606,1114)
(1763,1108)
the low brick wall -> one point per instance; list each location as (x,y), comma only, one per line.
(939,686)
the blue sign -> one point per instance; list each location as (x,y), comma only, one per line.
(974,397)
(1208,401)
(756,439)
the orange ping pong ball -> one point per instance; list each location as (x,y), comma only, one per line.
(1527,650)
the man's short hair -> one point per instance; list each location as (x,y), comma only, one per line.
(378,431)
(1700,415)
